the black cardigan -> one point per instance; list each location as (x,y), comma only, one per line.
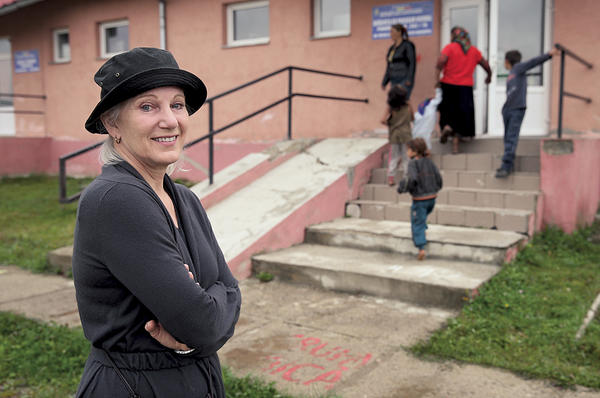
(128,267)
(403,65)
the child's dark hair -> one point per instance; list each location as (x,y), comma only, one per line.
(419,146)
(513,57)
(397,97)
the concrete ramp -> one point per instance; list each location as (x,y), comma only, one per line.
(241,173)
(273,211)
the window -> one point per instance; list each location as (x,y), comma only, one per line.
(332,18)
(526,20)
(248,23)
(62,47)
(114,38)
(6,73)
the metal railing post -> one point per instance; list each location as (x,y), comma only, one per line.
(62,181)
(211,143)
(561,92)
(289,134)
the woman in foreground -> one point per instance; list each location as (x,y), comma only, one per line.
(155,295)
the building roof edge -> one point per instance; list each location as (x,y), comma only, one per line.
(15,5)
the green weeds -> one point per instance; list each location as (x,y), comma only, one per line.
(526,317)
(32,221)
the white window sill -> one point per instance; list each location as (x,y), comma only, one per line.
(331,35)
(247,44)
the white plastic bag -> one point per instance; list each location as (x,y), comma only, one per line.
(424,123)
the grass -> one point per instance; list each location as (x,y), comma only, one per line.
(525,319)
(32,221)
(39,360)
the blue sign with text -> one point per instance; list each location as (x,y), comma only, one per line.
(417,17)
(27,61)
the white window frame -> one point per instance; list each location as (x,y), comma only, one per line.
(103,27)
(231,8)
(330,33)
(57,58)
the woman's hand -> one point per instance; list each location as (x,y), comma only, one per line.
(160,334)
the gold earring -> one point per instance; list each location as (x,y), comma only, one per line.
(117,140)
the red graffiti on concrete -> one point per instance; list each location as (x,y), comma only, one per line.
(341,360)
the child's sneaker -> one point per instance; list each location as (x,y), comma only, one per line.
(502,173)
(421,255)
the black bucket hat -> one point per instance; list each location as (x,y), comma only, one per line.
(141,69)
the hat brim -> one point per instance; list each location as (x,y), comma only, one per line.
(193,88)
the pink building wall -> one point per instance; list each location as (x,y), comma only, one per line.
(195,34)
(570,181)
(576,27)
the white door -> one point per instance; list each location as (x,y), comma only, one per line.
(7,116)
(471,15)
(524,26)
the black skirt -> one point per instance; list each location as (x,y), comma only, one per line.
(157,374)
(457,109)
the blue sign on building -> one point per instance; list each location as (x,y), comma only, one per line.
(27,61)
(417,17)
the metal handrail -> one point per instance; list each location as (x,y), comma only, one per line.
(562,93)
(212,131)
(62,173)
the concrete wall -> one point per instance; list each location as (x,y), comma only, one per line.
(570,181)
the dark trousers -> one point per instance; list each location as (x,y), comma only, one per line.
(513,118)
(419,211)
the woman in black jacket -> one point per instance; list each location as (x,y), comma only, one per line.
(401,61)
(155,295)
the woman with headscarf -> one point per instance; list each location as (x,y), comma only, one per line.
(401,61)
(155,296)
(457,111)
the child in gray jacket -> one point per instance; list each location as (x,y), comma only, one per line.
(423,181)
(513,110)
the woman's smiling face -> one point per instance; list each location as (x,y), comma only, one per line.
(152,127)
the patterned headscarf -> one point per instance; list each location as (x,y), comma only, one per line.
(461,36)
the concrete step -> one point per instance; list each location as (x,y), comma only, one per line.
(273,211)
(499,198)
(484,162)
(432,282)
(487,180)
(475,162)
(528,146)
(444,242)
(379,175)
(521,221)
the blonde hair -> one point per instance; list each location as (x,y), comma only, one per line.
(109,154)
